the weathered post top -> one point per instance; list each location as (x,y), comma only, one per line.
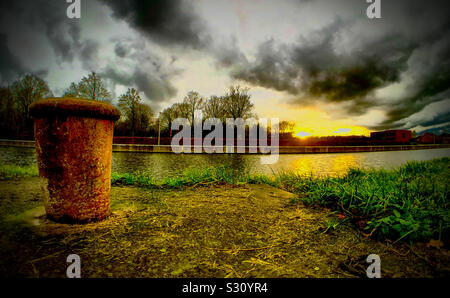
(74,146)
(74,107)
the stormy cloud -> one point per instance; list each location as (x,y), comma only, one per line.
(89,54)
(155,86)
(10,66)
(143,69)
(315,52)
(121,50)
(169,22)
(321,67)
(46,17)
(315,71)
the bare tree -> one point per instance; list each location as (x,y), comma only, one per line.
(72,91)
(214,108)
(286,127)
(168,115)
(183,110)
(237,103)
(8,112)
(144,118)
(90,87)
(192,102)
(129,103)
(27,90)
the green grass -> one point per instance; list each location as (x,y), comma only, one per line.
(8,172)
(410,203)
(190,177)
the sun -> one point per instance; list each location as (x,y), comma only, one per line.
(303,134)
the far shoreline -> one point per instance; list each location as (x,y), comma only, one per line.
(282,149)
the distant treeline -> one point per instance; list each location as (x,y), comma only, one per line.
(138,118)
(15,121)
(359,141)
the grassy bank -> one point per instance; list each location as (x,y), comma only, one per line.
(410,203)
(191,177)
(8,172)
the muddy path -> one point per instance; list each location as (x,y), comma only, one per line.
(203,231)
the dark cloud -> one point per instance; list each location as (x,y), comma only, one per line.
(47,17)
(444,118)
(63,33)
(412,38)
(272,69)
(137,65)
(89,54)
(436,89)
(380,63)
(10,66)
(46,22)
(169,22)
(156,86)
(227,53)
(313,69)
(431,82)
(121,50)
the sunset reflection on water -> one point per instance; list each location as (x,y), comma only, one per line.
(167,164)
(333,165)
(342,163)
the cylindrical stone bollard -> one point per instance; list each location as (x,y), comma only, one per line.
(74,147)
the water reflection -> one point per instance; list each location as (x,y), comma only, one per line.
(342,163)
(319,164)
(164,165)
(303,166)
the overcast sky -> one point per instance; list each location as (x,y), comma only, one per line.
(321,63)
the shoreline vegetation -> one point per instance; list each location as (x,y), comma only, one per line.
(407,204)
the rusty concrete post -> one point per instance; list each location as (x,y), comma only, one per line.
(74,147)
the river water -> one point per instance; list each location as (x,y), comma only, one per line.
(167,164)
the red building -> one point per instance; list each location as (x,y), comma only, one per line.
(391,136)
(430,138)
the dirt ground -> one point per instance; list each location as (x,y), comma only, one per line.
(204,231)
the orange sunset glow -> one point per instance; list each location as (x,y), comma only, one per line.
(321,130)
(314,122)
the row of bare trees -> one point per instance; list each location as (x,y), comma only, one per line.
(137,117)
(90,87)
(234,104)
(15,121)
